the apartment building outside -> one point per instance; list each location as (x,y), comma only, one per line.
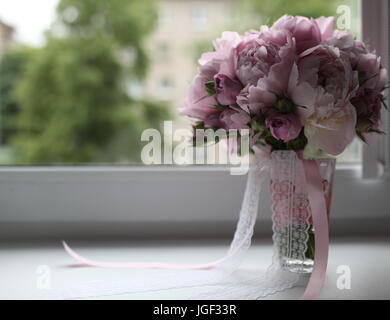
(183,25)
(6,37)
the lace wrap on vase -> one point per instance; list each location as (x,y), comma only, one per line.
(291,212)
(290,224)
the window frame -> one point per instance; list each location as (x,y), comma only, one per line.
(375,32)
(86,201)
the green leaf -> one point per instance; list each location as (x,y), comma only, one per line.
(298,143)
(372,130)
(383,100)
(210,87)
(284,105)
(386,87)
(276,144)
(363,125)
(256,126)
(219,107)
(361,137)
(361,76)
(202,98)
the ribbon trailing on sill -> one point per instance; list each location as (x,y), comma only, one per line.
(221,273)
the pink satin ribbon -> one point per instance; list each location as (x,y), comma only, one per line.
(320,223)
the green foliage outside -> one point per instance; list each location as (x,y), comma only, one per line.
(271,10)
(251,14)
(68,101)
(12,67)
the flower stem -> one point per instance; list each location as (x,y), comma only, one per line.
(309,254)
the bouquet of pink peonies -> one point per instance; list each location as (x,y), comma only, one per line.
(301,88)
(297,84)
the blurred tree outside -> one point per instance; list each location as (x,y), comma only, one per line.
(12,67)
(70,102)
(271,10)
(251,14)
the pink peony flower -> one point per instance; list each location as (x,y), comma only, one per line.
(276,36)
(232,118)
(283,126)
(299,73)
(226,89)
(325,24)
(341,39)
(372,80)
(222,46)
(368,105)
(254,57)
(322,85)
(196,105)
(255,98)
(305,31)
(221,60)
(372,74)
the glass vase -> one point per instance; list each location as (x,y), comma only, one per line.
(293,232)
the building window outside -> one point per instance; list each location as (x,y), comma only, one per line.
(165,87)
(198,17)
(164,52)
(165,15)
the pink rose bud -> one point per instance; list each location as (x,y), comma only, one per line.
(227,89)
(285,127)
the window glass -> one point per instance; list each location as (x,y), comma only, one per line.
(199,17)
(81,80)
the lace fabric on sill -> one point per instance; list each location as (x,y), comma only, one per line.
(291,212)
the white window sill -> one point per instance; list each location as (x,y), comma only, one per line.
(368,259)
